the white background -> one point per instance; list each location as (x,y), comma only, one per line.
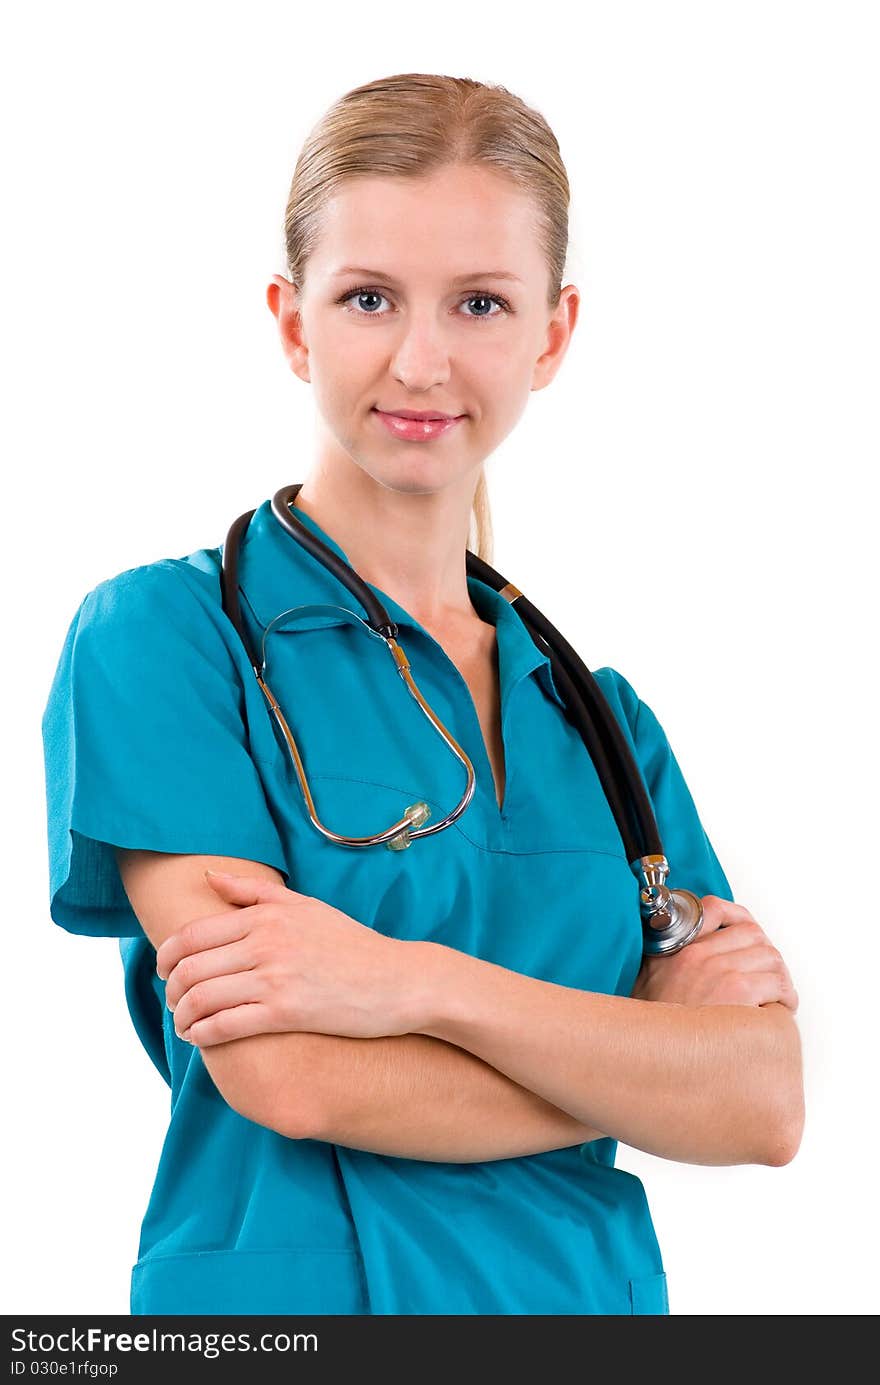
(691,501)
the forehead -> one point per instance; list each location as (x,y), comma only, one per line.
(467,218)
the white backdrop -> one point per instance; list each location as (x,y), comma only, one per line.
(689,501)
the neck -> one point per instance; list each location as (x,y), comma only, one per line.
(411,546)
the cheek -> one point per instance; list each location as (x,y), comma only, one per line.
(501,368)
(339,390)
(501,382)
(343,365)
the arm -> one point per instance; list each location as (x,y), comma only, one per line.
(408,1095)
(417,1097)
(711,1084)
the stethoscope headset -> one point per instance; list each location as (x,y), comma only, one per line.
(670,918)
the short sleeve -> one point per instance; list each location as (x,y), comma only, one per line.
(145,745)
(693,864)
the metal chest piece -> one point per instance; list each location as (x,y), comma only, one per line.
(670,918)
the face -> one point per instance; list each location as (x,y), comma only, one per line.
(427,295)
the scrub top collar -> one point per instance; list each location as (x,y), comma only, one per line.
(277,573)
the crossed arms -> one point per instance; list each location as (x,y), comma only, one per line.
(514,1066)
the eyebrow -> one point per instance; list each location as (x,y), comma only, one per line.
(459,279)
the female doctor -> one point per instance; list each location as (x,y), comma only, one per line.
(398,1078)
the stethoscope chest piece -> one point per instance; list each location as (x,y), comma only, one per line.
(670,918)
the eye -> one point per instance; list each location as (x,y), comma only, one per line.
(502,303)
(363,293)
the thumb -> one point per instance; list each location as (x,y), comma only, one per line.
(243,889)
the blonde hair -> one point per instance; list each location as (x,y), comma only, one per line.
(408,125)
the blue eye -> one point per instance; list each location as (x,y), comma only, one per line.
(486,298)
(363,293)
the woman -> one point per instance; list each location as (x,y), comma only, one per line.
(399,1077)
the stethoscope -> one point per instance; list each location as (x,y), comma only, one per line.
(670,918)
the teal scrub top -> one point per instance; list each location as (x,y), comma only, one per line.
(157,736)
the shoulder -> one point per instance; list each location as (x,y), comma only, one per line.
(165,583)
(171,599)
(621,695)
(163,621)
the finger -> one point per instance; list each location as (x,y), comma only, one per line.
(211,930)
(238,1023)
(245,889)
(209,997)
(790,999)
(720,913)
(783,992)
(732,937)
(766,986)
(197,967)
(757,956)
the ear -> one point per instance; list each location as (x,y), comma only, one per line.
(557,337)
(284,301)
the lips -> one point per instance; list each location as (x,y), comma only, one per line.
(417,427)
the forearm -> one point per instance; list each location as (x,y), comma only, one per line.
(715,1084)
(408,1095)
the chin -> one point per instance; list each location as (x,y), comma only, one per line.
(422,475)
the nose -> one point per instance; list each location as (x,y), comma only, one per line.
(421,355)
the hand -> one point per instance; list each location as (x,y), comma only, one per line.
(283,961)
(730,962)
